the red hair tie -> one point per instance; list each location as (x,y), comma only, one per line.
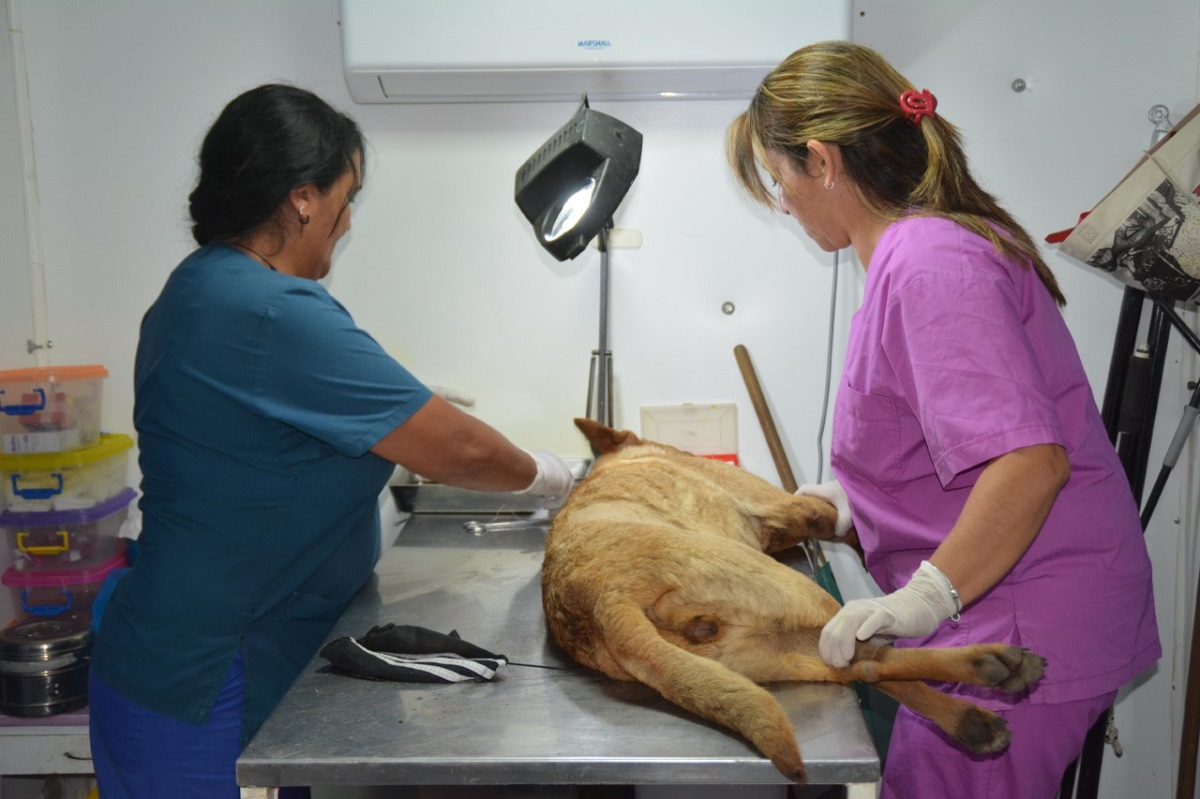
(918,104)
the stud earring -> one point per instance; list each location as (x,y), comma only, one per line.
(828,186)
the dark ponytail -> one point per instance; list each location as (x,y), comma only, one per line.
(265,143)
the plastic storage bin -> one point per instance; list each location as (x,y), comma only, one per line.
(57,539)
(81,478)
(50,409)
(65,593)
(709,431)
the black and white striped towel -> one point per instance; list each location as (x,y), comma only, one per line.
(411,654)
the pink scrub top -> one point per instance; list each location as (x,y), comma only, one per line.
(957,356)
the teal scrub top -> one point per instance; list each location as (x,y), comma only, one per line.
(257,400)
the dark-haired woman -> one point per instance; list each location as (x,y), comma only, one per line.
(985,492)
(268,423)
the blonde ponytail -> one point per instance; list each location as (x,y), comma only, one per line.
(902,160)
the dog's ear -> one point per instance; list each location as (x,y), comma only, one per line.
(604,438)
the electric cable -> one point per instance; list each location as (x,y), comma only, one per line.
(828,368)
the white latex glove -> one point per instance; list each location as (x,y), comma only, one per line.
(456,397)
(832,493)
(913,611)
(553,481)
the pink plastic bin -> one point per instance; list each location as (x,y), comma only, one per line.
(68,592)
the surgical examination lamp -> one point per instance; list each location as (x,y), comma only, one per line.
(569,190)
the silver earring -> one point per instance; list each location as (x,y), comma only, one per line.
(828,186)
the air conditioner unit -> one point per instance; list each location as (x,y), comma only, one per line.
(457,51)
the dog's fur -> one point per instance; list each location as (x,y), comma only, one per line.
(655,572)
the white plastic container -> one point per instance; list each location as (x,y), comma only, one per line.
(50,409)
(707,430)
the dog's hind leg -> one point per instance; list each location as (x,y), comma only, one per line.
(975,728)
(899,673)
(792,519)
(1010,668)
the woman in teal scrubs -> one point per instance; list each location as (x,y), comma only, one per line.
(268,424)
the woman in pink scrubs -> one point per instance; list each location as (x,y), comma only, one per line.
(969,453)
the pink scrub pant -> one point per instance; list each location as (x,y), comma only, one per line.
(923,763)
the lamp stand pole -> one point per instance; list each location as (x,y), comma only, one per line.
(599,398)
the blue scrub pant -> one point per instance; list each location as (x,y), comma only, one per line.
(140,754)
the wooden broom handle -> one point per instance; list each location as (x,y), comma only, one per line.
(765,420)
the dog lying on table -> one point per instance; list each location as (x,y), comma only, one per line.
(655,571)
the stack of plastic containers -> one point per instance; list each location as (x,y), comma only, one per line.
(64,499)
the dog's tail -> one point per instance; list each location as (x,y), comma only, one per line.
(700,685)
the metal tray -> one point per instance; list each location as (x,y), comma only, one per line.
(422,497)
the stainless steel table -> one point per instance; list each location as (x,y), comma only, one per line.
(542,720)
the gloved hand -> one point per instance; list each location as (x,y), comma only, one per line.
(913,611)
(832,493)
(553,481)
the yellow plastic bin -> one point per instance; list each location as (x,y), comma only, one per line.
(50,409)
(58,481)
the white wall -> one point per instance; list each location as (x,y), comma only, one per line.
(15,307)
(441,268)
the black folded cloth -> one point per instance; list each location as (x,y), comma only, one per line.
(411,654)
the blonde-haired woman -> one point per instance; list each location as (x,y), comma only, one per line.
(966,441)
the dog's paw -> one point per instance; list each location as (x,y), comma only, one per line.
(982,731)
(1011,668)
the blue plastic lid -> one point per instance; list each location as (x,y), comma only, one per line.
(68,518)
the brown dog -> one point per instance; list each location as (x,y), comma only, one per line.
(655,572)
